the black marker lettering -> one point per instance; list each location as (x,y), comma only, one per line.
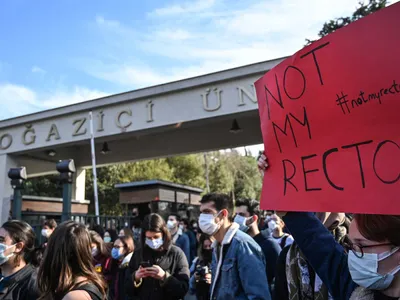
(285,178)
(324,166)
(359,158)
(279,100)
(284,83)
(380,145)
(315,59)
(303,158)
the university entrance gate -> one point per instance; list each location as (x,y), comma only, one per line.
(187,116)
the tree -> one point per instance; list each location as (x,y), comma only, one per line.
(43,186)
(108,177)
(362,11)
(188,170)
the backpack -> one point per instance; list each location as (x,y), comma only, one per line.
(283,242)
(91,289)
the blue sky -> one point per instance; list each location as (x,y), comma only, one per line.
(55,53)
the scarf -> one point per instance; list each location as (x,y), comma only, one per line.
(303,283)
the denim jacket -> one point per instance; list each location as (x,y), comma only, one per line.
(241,272)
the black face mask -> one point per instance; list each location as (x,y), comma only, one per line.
(207,254)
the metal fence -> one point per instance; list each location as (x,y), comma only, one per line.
(107,222)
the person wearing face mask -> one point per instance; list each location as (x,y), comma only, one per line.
(49,226)
(247,216)
(179,238)
(295,278)
(276,225)
(200,271)
(122,253)
(67,272)
(102,260)
(187,229)
(238,267)
(366,268)
(160,270)
(110,236)
(18,279)
(136,229)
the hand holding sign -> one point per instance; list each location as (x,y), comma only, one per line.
(329,117)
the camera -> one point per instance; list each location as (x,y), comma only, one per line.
(202,271)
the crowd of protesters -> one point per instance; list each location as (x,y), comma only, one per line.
(232,251)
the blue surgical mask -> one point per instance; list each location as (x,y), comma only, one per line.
(116,254)
(154,244)
(242,222)
(107,239)
(4,258)
(364,271)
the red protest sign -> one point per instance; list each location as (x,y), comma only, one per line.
(330,122)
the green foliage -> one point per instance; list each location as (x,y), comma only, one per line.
(43,186)
(188,170)
(361,11)
(229,173)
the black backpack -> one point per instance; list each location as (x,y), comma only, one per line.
(91,289)
(283,241)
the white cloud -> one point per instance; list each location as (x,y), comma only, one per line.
(107,23)
(178,34)
(36,69)
(199,37)
(17,100)
(67,97)
(184,8)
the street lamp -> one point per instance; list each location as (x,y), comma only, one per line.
(66,168)
(18,177)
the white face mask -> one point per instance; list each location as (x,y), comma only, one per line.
(272,225)
(46,233)
(171,224)
(95,251)
(364,271)
(5,258)
(154,244)
(242,223)
(207,223)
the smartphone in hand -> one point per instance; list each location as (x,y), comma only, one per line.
(145,264)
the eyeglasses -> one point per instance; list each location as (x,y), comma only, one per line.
(358,249)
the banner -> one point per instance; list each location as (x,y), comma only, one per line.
(330,119)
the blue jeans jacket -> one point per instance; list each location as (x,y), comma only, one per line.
(241,274)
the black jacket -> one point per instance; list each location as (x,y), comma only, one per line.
(281,286)
(120,284)
(20,286)
(271,250)
(172,261)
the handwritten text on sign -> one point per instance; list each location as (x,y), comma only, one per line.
(330,117)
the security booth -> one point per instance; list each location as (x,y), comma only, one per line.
(36,209)
(161,197)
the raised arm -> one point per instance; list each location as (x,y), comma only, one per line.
(324,254)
